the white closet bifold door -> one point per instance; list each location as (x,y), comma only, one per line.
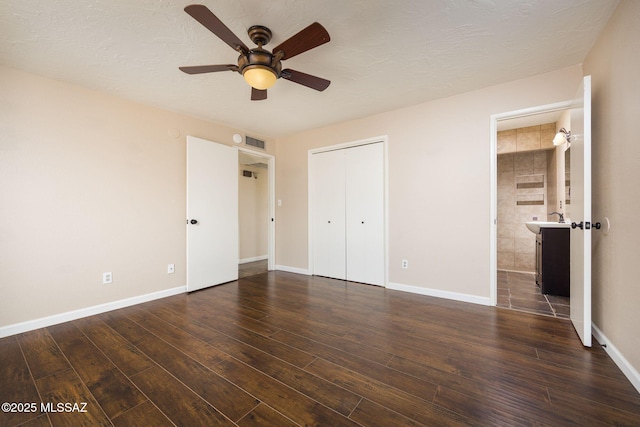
(365,214)
(348,214)
(329,253)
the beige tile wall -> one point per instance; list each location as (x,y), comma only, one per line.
(529,138)
(522,192)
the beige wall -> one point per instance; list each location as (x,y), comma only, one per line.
(439,181)
(613,64)
(253,212)
(88,183)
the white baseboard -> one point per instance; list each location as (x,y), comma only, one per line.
(627,369)
(252,259)
(43,322)
(440,294)
(293,269)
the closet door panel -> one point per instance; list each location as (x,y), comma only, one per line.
(365,214)
(329,250)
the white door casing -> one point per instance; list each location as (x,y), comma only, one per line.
(212,201)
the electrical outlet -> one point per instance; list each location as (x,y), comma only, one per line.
(107,278)
(405,263)
(171,268)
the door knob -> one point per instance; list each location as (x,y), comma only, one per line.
(586,226)
(194,221)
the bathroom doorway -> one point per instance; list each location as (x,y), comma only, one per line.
(528,185)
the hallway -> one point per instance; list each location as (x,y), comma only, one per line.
(252,268)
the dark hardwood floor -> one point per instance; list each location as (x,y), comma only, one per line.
(280,349)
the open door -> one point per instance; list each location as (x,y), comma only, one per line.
(212,213)
(581,213)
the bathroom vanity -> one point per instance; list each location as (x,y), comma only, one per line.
(552,260)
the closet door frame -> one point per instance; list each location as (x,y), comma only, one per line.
(378,139)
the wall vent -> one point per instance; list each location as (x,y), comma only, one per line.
(254,142)
(247,173)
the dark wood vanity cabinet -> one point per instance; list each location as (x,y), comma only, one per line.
(552,261)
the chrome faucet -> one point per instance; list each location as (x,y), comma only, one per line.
(561,220)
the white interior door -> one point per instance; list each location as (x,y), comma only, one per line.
(365,213)
(581,213)
(212,213)
(329,250)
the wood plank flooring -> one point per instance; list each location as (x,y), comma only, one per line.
(281,349)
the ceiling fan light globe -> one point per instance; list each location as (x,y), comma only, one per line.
(259,77)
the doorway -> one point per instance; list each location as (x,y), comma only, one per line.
(526,178)
(255,212)
(578,137)
(213,243)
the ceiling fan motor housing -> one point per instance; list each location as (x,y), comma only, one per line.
(259,58)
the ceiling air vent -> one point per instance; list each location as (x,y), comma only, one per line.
(254,142)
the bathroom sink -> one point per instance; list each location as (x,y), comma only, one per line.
(535,226)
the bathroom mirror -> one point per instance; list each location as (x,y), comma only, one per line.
(567,183)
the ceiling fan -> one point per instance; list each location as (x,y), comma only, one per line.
(260,67)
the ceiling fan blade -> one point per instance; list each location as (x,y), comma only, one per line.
(258,95)
(312,36)
(199,69)
(304,79)
(210,21)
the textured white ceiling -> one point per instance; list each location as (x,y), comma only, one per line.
(383,54)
